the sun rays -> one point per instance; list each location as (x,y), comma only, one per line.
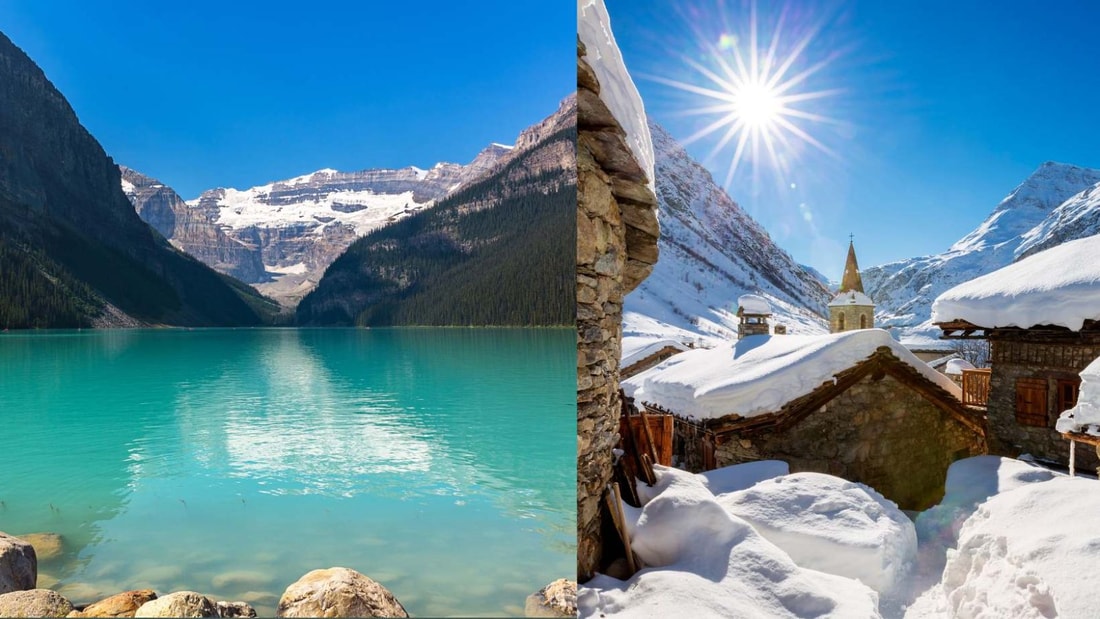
(760,96)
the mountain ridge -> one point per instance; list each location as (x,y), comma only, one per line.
(498,251)
(281,236)
(1019,225)
(64,218)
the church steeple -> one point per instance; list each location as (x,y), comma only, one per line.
(851,279)
(851,308)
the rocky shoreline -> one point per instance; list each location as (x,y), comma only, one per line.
(332,592)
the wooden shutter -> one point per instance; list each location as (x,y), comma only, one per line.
(1031,402)
(1067,393)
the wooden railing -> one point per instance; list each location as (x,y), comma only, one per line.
(975,387)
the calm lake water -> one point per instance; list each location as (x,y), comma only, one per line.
(440,462)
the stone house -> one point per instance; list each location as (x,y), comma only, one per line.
(1034,377)
(1041,318)
(616,249)
(856,404)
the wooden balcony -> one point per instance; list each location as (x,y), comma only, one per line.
(975,387)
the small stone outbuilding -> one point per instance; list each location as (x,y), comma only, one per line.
(856,405)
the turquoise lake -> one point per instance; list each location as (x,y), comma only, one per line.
(439,462)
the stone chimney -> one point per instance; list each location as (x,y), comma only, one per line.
(754,311)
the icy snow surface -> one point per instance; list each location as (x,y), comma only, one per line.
(761,373)
(635,348)
(1030,552)
(704,562)
(1059,286)
(970,482)
(1009,539)
(1085,417)
(617,90)
(829,524)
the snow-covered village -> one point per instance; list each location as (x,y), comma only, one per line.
(919,439)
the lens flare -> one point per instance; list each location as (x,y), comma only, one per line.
(760,97)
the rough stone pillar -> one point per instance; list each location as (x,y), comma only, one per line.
(616,249)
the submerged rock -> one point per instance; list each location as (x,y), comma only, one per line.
(338,592)
(179,604)
(121,605)
(34,603)
(18,564)
(557,599)
(235,609)
(47,546)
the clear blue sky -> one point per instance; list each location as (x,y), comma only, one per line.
(944,108)
(203,94)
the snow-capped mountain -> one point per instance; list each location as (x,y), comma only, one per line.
(280,237)
(711,252)
(1055,204)
(1075,218)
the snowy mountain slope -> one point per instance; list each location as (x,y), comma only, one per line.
(711,252)
(904,291)
(1075,218)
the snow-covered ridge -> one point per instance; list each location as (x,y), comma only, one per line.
(361,201)
(1029,217)
(760,373)
(617,89)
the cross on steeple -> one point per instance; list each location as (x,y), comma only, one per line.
(851,238)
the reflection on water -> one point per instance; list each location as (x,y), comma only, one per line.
(439,462)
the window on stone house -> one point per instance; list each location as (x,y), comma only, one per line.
(1031,402)
(1067,393)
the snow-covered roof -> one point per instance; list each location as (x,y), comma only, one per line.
(851,297)
(759,375)
(957,365)
(754,304)
(637,348)
(1085,416)
(1059,286)
(617,90)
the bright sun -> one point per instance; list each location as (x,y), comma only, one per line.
(756,105)
(757,96)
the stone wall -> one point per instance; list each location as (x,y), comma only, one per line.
(880,433)
(851,317)
(1014,359)
(616,249)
